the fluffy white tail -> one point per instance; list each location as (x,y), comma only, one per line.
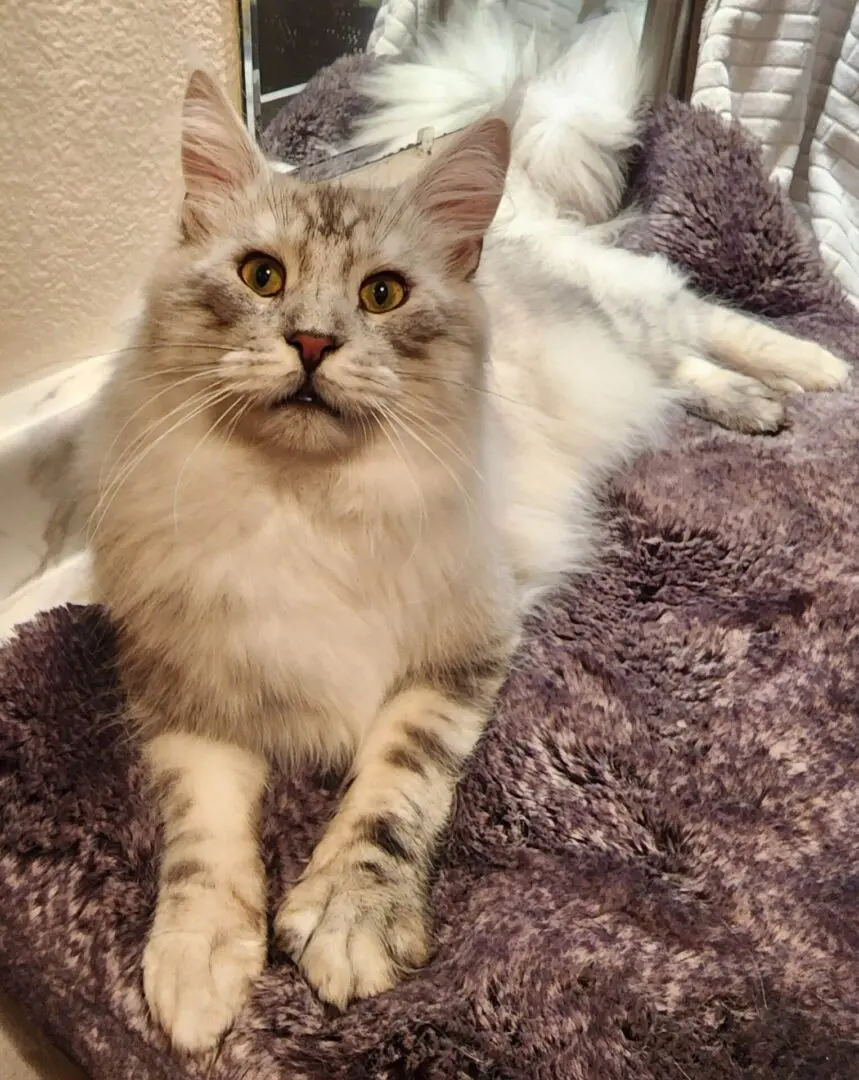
(572,115)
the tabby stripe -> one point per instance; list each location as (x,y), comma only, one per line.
(433,748)
(373,869)
(401,757)
(183,870)
(476,681)
(253,913)
(384,832)
(186,838)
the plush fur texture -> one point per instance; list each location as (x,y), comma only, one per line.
(357,437)
(650,868)
(749,251)
(306,134)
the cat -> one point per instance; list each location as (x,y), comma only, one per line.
(357,434)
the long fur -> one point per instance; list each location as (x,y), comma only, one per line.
(331,561)
(572,112)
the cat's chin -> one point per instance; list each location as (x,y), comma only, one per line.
(305,401)
(311,427)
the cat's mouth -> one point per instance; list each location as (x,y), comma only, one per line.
(306,396)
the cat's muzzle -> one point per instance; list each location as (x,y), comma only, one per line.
(306,395)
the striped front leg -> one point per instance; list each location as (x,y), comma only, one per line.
(358,917)
(208,939)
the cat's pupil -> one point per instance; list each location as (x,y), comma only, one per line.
(263,275)
(380,293)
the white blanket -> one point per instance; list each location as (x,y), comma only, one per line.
(789,69)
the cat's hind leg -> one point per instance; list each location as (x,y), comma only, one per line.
(728,398)
(748,367)
(785,363)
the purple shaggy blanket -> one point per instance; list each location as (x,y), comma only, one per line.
(653,868)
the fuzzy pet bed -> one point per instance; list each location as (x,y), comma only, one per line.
(653,868)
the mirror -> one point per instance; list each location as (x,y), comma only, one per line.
(285,42)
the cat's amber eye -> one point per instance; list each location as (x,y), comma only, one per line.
(383,293)
(263,274)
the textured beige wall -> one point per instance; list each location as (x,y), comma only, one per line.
(90,92)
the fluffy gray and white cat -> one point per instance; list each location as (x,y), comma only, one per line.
(358,433)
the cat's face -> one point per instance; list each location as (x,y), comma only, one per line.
(325,315)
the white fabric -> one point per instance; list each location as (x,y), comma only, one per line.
(789,70)
(398,23)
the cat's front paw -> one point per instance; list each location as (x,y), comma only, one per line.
(353,929)
(197,971)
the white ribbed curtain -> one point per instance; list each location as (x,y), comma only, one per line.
(789,70)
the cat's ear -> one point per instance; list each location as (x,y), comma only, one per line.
(218,156)
(461,190)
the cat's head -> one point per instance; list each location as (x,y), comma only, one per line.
(317,315)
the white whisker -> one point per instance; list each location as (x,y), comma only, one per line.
(138,411)
(116,482)
(138,440)
(389,433)
(476,390)
(209,431)
(466,498)
(447,468)
(432,431)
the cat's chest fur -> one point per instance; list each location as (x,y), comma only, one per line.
(288,615)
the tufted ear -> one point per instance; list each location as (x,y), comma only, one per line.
(461,190)
(219,158)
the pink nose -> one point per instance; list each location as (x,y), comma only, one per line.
(312,348)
